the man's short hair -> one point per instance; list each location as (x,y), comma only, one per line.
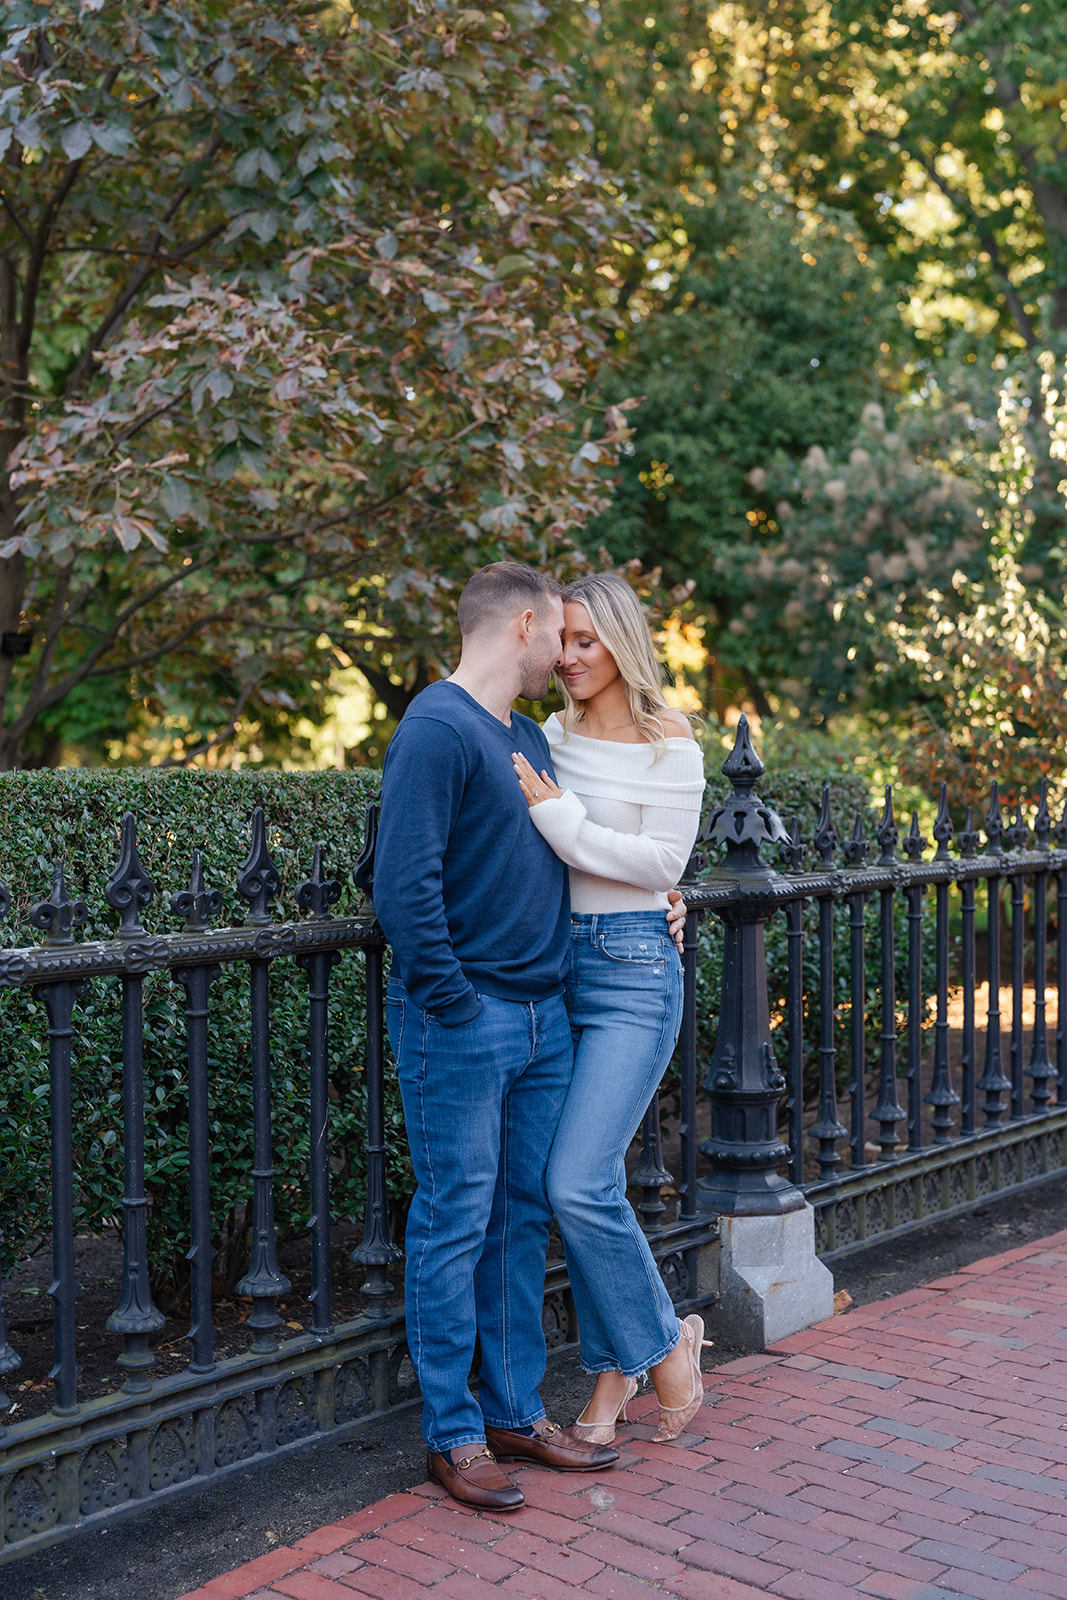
(496,592)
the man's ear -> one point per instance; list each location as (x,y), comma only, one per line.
(527,625)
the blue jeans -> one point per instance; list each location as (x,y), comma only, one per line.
(624,1000)
(481,1103)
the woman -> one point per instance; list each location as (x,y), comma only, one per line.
(625,823)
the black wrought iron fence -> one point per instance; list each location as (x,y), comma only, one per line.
(939,1115)
(965,1097)
(95,1454)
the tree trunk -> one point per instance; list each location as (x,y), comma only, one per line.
(394,696)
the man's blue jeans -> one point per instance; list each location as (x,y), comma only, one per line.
(481,1104)
(624,998)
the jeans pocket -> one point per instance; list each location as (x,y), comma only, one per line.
(636,949)
(395,1016)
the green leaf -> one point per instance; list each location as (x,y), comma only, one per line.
(512,266)
(76,139)
(220,384)
(28,133)
(176,496)
(112,138)
(264,224)
(226,463)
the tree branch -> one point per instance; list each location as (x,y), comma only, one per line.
(16,219)
(35,704)
(35,265)
(394,696)
(39,246)
(987,239)
(53,628)
(219,738)
(113,316)
(159,257)
(136,281)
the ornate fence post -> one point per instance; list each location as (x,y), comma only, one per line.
(58,917)
(129,890)
(264,1282)
(317,895)
(771,1282)
(198,904)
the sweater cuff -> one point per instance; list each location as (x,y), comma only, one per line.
(558,818)
(457,1012)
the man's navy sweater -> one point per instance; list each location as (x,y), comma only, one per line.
(468,894)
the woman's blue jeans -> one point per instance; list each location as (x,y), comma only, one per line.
(624,1001)
(481,1104)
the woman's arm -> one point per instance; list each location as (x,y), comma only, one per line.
(653,859)
(539,789)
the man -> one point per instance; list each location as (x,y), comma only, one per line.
(475,906)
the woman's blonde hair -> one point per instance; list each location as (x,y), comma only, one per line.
(622,628)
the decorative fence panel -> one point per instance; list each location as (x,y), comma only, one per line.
(94,1457)
(953,1089)
(942,1112)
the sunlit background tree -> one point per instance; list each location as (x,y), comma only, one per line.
(307,311)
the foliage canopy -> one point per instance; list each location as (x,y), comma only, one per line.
(295,322)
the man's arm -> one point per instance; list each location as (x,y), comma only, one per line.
(422,788)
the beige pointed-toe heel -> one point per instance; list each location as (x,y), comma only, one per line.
(672,1419)
(604,1432)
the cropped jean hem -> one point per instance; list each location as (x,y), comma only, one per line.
(635,1372)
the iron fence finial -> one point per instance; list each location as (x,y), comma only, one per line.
(1042,821)
(968,836)
(129,890)
(60,915)
(1019,832)
(943,827)
(363,871)
(916,842)
(994,824)
(888,834)
(258,880)
(197,904)
(793,853)
(318,893)
(743,822)
(1059,832)
(825,836)
(858,848)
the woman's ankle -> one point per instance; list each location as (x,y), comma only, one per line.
(671,1375)
(606,1398)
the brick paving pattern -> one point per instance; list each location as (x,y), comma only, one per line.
(912,1449)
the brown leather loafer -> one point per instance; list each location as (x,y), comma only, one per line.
(471,1476)
(551,1446)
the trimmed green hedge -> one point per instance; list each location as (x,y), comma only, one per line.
(74,815)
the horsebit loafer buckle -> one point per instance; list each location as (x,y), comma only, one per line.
(468,1461)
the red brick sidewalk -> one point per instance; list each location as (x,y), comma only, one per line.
(910,1450)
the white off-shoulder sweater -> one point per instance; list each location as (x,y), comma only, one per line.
(626,823)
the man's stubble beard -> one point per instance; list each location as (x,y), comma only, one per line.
(533,685)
